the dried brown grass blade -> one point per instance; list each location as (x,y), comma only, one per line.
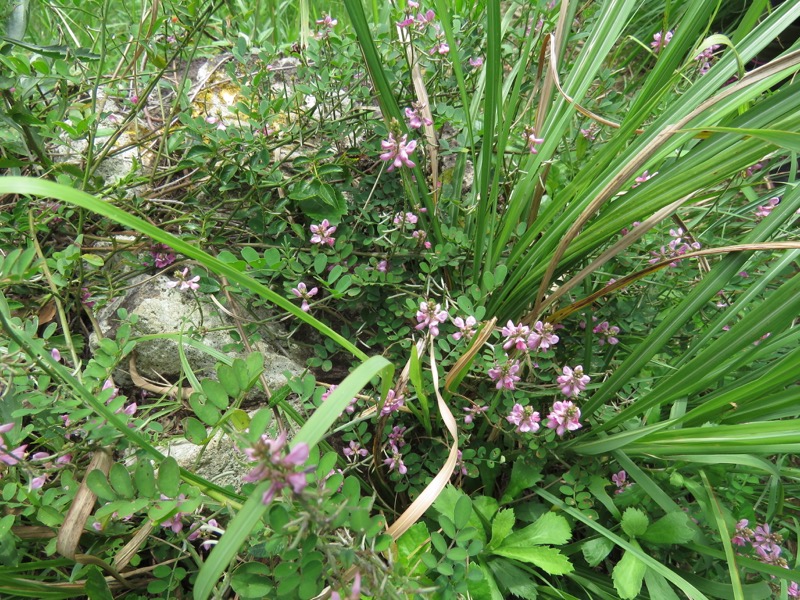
(168,390)
(463,361)
(71,529)
(635,165)
(561,314)
(431,143)
(130,549)
(413,513)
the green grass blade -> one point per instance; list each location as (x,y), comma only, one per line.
(724,534)
(242,525)
(49,189)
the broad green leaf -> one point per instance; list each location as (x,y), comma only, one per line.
(550,528)
(463,512)
(634,522)
(194,431)
(628,575)
(594,551)
(144,477)
(548,559)
(672,528)
(252,580)
(410,546)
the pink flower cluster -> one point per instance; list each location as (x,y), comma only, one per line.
(523,338)
(302,292)
(766,209)
(531,140)
(563,417)
(396,442)
(573,381)
(606,334)
(430,315)
(473,411)
(351,408)
(704,58)
(397,151)
(323,233)
(506,374)
(162,255)
(276,467)
(525,418)
(621,481)
(183,280)
(466,327)
(392,403)
(10,457)
(415,116)
(400,219)
(659,42)
(767,546)
(676,248)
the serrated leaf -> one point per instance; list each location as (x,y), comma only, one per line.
(550,528)
(513,579)
(502,526)
(547,559)
(169,477)
(594,551)
(524,475)
(628,575)
(672,528)
(634,522)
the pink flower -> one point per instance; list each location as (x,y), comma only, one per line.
(573,381)
(473,411)
(465,327)
(542,337)
(162,255)
(430,315)
(354,450)
(350,407)
(181,278)
(55,354)
(516,336)
(439,47)
(383,266)
(606,333)
(505,376)
(327,21)
(38,482)
(564,417)
(743,533)
(322,233)
(764,211)
(395,461)
(658,42)
(415,117)
(396,439)
(14,456)
(525,418)
(621,481)
(476,62)
(397,151)
(401,219)
(531,140)
(6,427)
(426,19)
(644,177)
(107,385)
(421,237)
(393,402)
(305,294)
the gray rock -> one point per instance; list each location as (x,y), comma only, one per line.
(164,310)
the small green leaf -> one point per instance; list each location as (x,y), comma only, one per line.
(169,477)
(204,410)
(144,477)
(93,259)
(239,419)
(628,575)
(594,551)
(634,522)
(120,480)
(320,262)
(463,512)
(250,255)
(548,559)
(98,484)
(229,382)
(251,580)
(550,528)
(672,528)
(194,431)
